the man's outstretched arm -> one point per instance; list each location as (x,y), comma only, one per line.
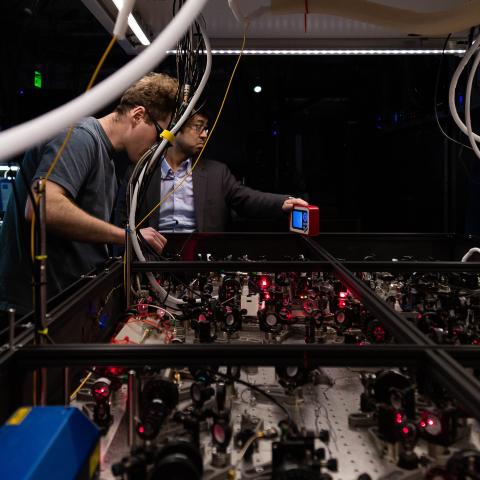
(64,218)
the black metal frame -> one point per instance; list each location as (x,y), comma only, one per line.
(444,362)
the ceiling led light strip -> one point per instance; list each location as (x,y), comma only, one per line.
(334,52)
(133,24)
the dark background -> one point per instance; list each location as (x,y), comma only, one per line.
(355,135)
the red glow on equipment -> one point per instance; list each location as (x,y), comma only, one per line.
(102,392)
(343,294)
(264,282)
(267,296)
(379,334)
(141,429)
(341,304)
(398,418)
(405,430)
(423,424)
(430,421)
(115,371)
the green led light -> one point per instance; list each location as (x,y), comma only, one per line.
(37,79)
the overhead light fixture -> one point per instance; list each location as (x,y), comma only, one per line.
(257,88)
(133,24)
(359,52)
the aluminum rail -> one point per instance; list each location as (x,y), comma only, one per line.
(306,266)
(215,354)
(447,371)
(402,331)
(232,354)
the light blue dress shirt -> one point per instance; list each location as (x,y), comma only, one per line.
(177,213)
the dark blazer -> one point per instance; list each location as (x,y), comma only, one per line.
(216,192)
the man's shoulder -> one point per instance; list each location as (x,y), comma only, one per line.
(210,165)
(88,127)
(84,135)
(89,135)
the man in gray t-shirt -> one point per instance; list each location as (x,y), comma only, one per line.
(80,193)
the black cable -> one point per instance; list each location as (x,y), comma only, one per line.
(167,293)
(160,257)
(259,390)
(179,253)
(19,209)
(190,67)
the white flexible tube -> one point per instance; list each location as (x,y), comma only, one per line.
(237,13)
(157,307)
(470,253)
(133,206)
(453,87)
(193,101)
(468,99)
(138,251)
(122,19)
(17,139)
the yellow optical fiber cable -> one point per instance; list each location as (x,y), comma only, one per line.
(206,141)
(89,86)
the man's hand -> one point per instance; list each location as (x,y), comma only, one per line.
(154,239)
(289,203)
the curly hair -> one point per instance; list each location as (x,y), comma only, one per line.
(155,91)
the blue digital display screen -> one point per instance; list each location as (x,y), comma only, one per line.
(297,219)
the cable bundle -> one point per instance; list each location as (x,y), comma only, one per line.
(190,63)
(467,129)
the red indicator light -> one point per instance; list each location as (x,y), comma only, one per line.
(101,392)
(430,422)
(114,371)
(405,430)
(264,282)
(398,418)
(423,424)
(343,294)
(267,296)
(341,304)
(141,429)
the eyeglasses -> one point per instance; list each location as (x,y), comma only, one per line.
(158,128)
(199,128)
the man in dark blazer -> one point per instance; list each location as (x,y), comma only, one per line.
(204,200)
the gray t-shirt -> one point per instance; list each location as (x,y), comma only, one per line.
(87,172)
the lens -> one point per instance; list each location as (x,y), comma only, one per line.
(292,371)
(271,319)
(218,433)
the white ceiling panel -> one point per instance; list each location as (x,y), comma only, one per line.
(286,31)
